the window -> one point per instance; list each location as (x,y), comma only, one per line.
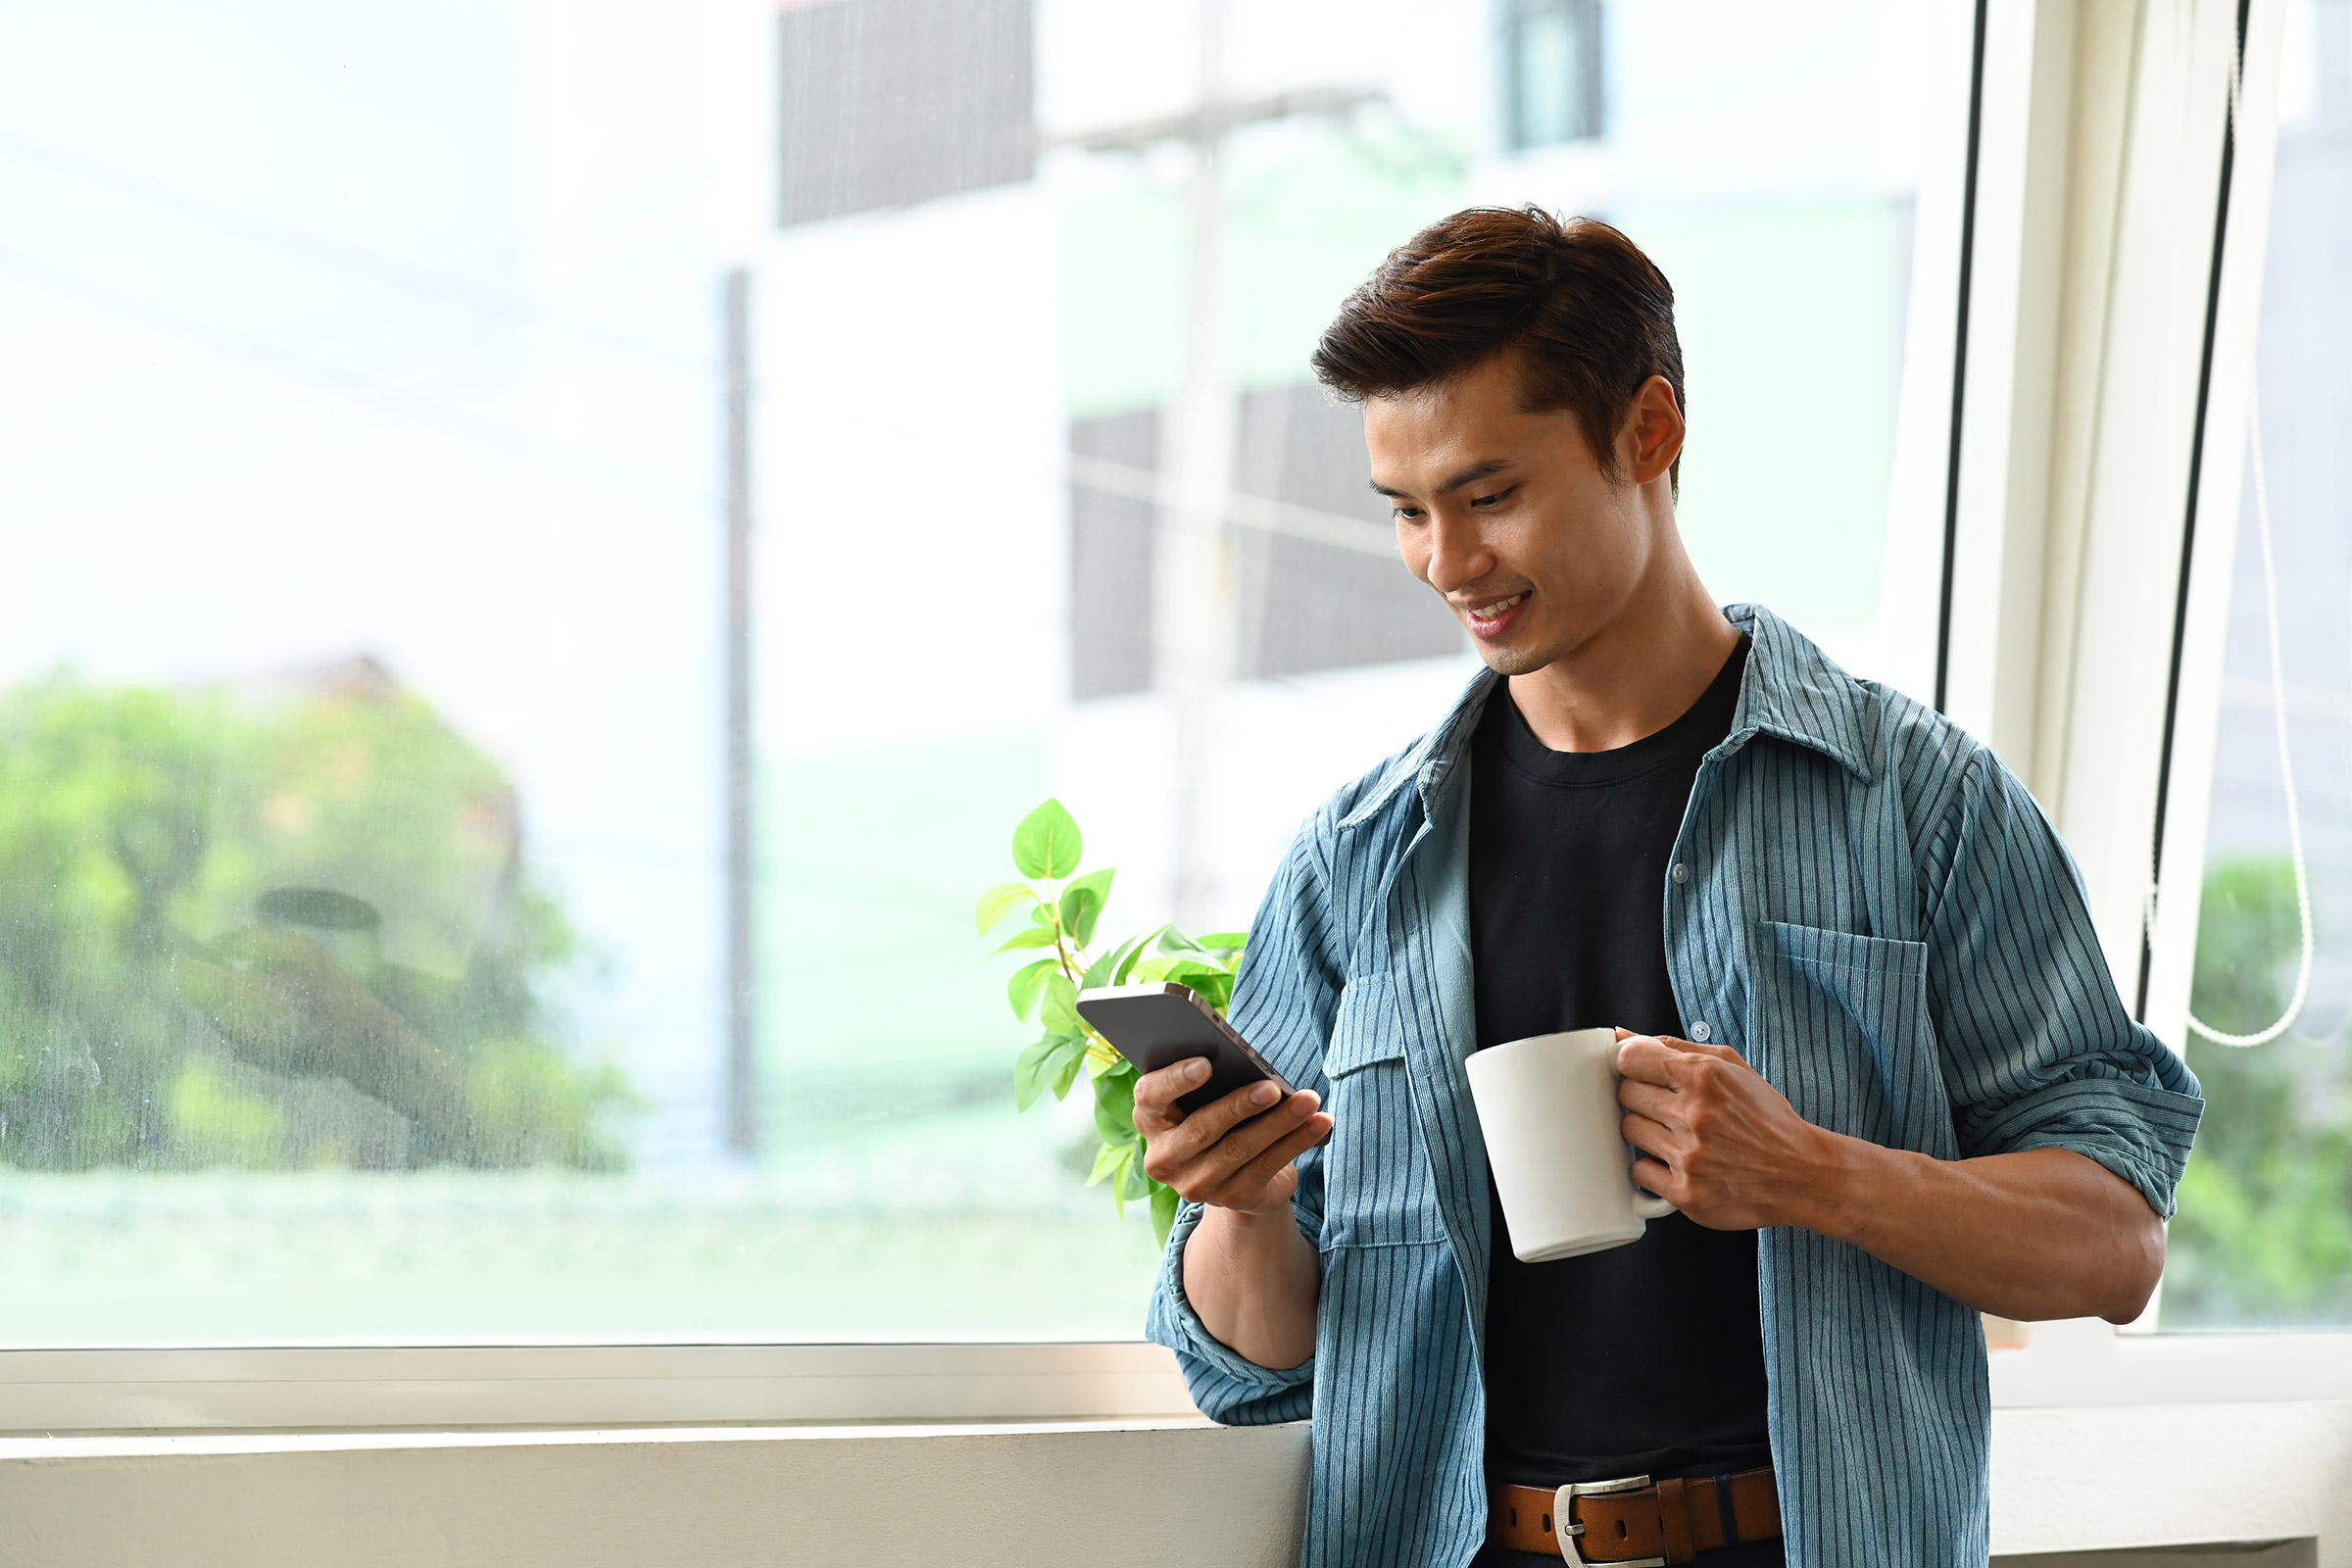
(1552,54)
(2264,1235)
(885,102)
(364,706)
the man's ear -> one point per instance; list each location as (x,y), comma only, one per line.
(1651,437)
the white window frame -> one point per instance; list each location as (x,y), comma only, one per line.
(2096,153)
(2110,363)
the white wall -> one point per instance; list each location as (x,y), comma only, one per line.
(1042,1498)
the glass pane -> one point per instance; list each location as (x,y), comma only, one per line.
(1555,74)
(384,953)
(2264,1234)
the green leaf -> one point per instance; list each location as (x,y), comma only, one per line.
(1067,1064)
(1058,1012)
(1123,1166)
(1114,1111)
(1225,941)
(1173,939)
(1034,937)
(1027,984)
(1029,1072)
(1082,904)
(1001,901)
(1193,972)
(1050,1061)
(1110,1159)
(1216,990)
(1047,843)
(1104,969)
(1164,1210)
(1134,1183)
(1126,968)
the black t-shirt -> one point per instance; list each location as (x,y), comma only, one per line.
(1649,1357)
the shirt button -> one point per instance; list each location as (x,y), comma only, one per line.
(1682,873)
(1699,1030)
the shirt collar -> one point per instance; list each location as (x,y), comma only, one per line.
(1794,691)
(1791,690)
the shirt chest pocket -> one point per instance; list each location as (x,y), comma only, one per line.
(1377,1187)
(1846,1022)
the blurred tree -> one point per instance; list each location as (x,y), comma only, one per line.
(2264,1233)
(277,928)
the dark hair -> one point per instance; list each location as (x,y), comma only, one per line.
(1588,315)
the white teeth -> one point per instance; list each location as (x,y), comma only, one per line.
(1496,612)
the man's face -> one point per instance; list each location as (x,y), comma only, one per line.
(1509,515)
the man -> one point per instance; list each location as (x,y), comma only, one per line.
(1871,1048)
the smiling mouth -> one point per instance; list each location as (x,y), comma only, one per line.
(1490,615)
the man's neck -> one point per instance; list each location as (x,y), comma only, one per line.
(1633,677)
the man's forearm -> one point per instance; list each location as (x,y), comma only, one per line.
(1254,1279)
(2045,1233)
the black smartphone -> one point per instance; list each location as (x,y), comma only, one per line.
(1157,1025)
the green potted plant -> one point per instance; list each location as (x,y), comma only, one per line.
(1060,912)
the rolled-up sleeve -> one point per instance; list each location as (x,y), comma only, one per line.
(2038,1051)
(1227,1385)
(1283,1005)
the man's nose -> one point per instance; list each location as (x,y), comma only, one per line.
(1457,553)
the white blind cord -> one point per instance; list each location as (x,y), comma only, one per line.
(2286,765)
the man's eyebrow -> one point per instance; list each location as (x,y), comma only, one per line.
(1470,475)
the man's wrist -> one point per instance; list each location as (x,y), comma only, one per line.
(1846,1174)
(1257,1221)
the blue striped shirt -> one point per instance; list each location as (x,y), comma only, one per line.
(1877,915)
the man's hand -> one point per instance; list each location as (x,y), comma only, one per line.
(1220,1154)
(2041,1233)
(1249,1270)
(1717,1141)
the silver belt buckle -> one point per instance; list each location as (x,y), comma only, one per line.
(1569,1529)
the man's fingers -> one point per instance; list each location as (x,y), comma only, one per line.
(1244,1144)
(1644,1133)
(1260,1173)
(1664,1060)
(1665,1048)
(1649,1099)
(1204,1149)
(1156,1093)
(1657,1177)
(1648,1059)
(1212,1120)
(1219,1117)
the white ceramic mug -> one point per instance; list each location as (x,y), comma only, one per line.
(1548,1106)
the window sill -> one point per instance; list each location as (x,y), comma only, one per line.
(2085,1362)
(581,1387)
(607,1387)
(192,1444)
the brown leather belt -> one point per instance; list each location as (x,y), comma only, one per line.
(1636,1522)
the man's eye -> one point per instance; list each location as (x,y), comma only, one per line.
(1488,500)
(1408,514)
